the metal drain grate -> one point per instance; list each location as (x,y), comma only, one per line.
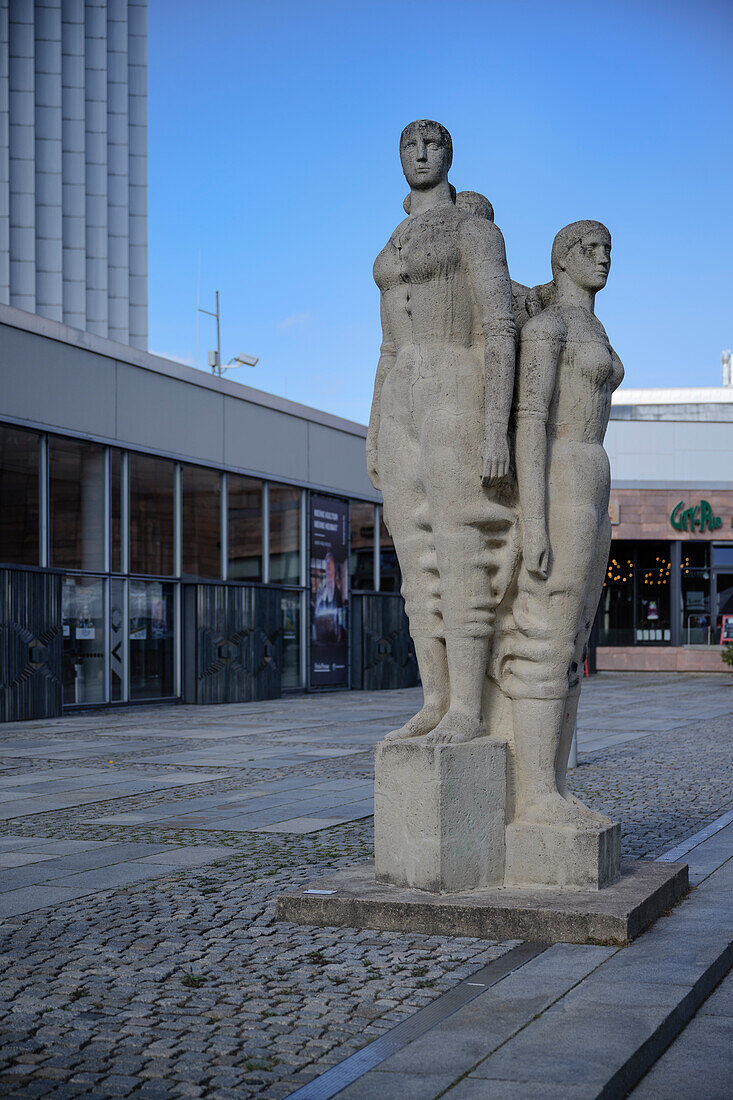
(356,1065)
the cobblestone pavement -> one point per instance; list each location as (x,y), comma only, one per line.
(183,985)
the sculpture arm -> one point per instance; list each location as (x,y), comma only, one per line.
(386,362)
(486,260)
(541,345)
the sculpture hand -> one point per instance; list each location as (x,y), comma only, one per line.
(537,554)
(495,457)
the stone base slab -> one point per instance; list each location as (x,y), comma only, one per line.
(619,913)
(560,855)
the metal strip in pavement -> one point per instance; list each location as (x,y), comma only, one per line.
(331,1082)
(697,838)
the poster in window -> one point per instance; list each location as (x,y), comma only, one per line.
(329,592)
(726,630)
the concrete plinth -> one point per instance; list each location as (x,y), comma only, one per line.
(352,898)
(560,855)
(439,814)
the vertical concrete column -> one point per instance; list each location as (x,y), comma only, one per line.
(95,104)
(118,257)
(49,249)
(138,170)
(22,203)
(73,164)
(4,159)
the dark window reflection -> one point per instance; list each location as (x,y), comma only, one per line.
(151,640)
(652,593)
(284,535)
(18,496)
(245,528)
(695,583)
(151,515)
(115,516)
(290,607)
(616,609)
(201,522)
(76,492)
(84,640)
(390,577)
(361,550)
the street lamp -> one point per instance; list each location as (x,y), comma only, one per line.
(215,356)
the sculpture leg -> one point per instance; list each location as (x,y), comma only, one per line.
(538,725)
(433,665)
(467,663)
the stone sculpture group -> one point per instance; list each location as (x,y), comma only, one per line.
(491,403)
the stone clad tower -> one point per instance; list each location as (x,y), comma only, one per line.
(73,163)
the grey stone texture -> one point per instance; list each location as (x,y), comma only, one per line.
(488,451)
(439,813)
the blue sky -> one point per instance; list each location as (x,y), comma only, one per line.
(274,169)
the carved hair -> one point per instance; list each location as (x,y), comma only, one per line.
(567,239)
(473,202)
(425,124)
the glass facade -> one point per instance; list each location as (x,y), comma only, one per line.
(85,650)
(284,515)
(76,497)
(244,523)
(128,529)
(361,546)
(652,593)
(19,495)
(201,493)
(695,589)
(152,515)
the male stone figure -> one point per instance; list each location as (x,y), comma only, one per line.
(437,444)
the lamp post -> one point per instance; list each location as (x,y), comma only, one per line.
(215,356)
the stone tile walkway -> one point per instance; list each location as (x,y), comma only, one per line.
(179,984)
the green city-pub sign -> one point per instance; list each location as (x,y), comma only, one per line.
(696,518)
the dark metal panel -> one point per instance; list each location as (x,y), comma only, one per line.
(31,645)
(357,668)
(237,643)
(267,643)
(388,655)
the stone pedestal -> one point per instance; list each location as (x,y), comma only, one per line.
(439,814)
(586,858)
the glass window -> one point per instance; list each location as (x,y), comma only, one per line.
(18,496)
(361,547)
(117,654)
(616,609)
(390,577)
(151,515)
(652,593)
(84,639)
(76,494)
(245,528)
(284,535)
(115,512)
(695,585)
(151,640)
(724,589)
(290,605)
(201,521)
(722,555)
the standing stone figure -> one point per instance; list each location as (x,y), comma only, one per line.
(566,375)
(437,444)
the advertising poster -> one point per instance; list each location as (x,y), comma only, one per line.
(329,594)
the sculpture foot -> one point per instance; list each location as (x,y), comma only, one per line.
(421,723)
(454,728)
(553,809)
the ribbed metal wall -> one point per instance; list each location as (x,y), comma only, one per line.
(73,163)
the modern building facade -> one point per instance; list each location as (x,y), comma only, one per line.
(167,534)
(669,585)
(73,174)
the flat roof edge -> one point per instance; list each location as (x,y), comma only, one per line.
(145,360)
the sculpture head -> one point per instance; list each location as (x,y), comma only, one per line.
(582,250)
(426,153)
(473,202)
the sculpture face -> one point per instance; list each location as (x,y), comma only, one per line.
(425,157)
(589,261)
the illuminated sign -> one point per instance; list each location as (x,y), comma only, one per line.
(697,518)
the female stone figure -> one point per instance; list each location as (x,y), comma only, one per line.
(437,442)
(567,373)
